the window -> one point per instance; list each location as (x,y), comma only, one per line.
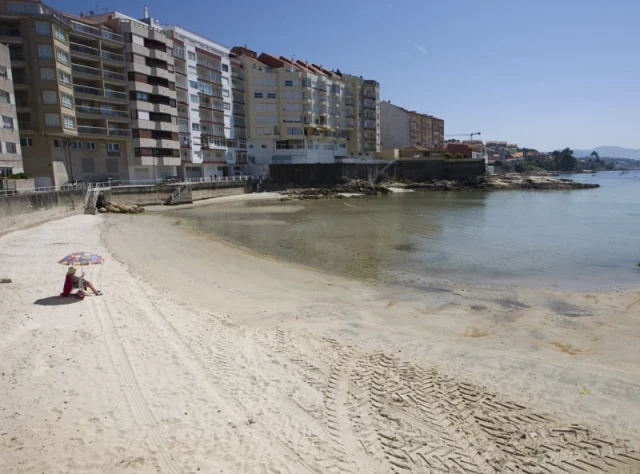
(59,34)
(62,56)
(67,100)
(113,147)
(225,68)
(7,122)
(10,147)
(292,107)
(76,145)
(292,95)
(267,107)
(3,71)
(257,95)
(91,145)
(26,142)
(193,84)
(52,120)
(262,81)
(226,106)
(225,92)
(263,130)
(178,51)
(142,96)
(47,74)
(17,7)
(42,28)
(271,95)
(69,122)
(64,78)
(57,143)
(263,146)
(45,51)
(288,83)
(88,165)
(50,97)
(195,127)
(194,98)
(266,119)
(5,97)
(294,131)
(191,55)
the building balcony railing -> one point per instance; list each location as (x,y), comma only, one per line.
(87,90)
(118,132)
(83,109)
(10,31)
(112,36)
(85,69)
(92,130)
(112,56)
(81,48)
(16,55)
(114,75)
(90,30)
(20,79)
(115,94)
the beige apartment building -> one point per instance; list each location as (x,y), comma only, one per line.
(10,153)
(298,112)
(401,127)
(70,93)
(362,104)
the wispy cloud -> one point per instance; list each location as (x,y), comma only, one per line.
(407,39)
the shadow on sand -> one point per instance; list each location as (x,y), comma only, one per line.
(56,301)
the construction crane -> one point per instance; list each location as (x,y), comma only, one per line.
(470,135)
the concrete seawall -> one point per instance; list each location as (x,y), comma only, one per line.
(23,210)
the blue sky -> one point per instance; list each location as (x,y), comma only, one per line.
(545,74)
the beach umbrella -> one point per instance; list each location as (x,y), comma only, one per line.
(82,259)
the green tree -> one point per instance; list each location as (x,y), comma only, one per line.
(458,156)
(564,160)
(447,155)
(594,155)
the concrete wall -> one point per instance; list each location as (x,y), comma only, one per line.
(410,170)
(394,127)
(158,194)
(23,210)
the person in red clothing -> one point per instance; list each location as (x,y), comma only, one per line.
(72,279)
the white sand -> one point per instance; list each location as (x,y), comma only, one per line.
(205,358)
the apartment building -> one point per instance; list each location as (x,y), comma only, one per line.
(154,148)
(296,111)
(70,93)
(10,153)
(362,104)
(210,101)
(401,127)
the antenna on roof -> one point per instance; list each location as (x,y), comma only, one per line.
(146,12)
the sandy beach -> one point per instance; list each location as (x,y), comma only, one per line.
(204,357)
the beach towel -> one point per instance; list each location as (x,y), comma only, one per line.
(68,286)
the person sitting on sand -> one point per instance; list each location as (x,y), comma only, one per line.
(71,280)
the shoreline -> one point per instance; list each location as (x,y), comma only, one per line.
(205,356)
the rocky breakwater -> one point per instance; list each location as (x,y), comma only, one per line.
(495,182)
(348,188)
(116,208)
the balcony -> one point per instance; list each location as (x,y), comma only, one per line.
(95,92)
(109,56)
(115,76)
(101,112)
(85,70)
(115,95)
(82,51)
(86,29)
(16,55)
(20,81)
(11,34)
(86,130)
(238,86)
(118,132)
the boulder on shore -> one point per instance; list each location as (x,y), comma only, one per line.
(122,208)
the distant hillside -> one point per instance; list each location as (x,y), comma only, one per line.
(610,152)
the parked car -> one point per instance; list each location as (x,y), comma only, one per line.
(171,180)
(112,180)
(78,183)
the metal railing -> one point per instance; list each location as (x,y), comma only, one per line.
(87,90)
(115,94)
(118,132)
(84,49)
(114,75)
(91,30)
(112,36)
(113,56)
(84,109)
(85,69)
(92,130)
(10,31)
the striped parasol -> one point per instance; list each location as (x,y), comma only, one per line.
(81,259)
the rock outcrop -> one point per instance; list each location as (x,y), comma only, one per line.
(114,207)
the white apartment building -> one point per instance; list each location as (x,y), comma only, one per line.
(10,152)
(296,111)
(210,104)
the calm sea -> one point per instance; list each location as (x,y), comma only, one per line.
(581,239)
